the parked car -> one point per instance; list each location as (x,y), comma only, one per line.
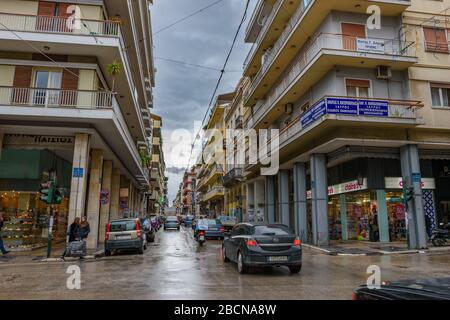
(414,289)
(228,222)
(171,223)
(125,234)
(155,222)
(188,221)
(262,245)
(149,228)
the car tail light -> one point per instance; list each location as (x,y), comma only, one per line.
(138,229)
(202,233)
(222,229)
(108,230)
(297,242)
(355,296)
(251,243)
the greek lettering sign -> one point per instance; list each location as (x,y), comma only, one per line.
(38,141)
(373,108)
(370,45)
(397,183)
(346,187)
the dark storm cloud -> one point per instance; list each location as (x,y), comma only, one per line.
(182,93)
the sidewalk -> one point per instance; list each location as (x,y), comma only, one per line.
(363,248)
(40,255)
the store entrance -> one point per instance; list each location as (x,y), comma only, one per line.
(396,216)
(362,219)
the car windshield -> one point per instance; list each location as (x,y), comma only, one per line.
(171,219)
(127,225)
(213,222)
(271,230)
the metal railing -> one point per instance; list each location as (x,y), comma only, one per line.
(390,47)
(56,98)
(30,23)
(213,191)
(262,33)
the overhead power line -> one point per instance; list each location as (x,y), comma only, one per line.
(222,71)
(187,17)
(194,65)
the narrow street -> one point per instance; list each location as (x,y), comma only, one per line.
(174,267)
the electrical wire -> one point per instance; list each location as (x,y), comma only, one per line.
(187,17)
(193,64)
(222,71)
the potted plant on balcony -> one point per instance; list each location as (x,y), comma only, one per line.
(114,69)
(145,158)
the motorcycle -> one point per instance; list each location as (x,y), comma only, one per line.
(441,235)
(200,232)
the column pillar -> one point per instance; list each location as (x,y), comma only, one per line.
(105,208)
(1,143)
(78,183)
(319,199)
(383,221)
(410,163)
(301,221)
(260,198)
(343,213)
(93,209)
(270,198)
(131,199)
(115,194)
(283,196)
(250,200)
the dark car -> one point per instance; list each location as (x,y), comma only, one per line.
(416,289)
(149,228)
(262,245)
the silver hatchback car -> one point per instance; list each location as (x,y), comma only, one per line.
(125,234)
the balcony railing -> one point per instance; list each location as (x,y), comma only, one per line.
(30,23)
(213,192)
(262,33)
(388,47)
(56,98)
(232,176)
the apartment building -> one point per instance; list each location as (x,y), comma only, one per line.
(76,85)
(188,197)
(210,190)
(158,179)
(362,112)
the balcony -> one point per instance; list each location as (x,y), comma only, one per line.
(321,55)
(301,26)
(214,193)
(239,124)
(232,177)
(215,171)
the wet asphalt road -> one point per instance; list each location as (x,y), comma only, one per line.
(175,267)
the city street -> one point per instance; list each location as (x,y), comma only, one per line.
(174,267)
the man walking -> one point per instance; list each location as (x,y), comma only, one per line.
(2,247)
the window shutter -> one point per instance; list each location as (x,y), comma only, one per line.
(350,32)
(357,83)
(22,79)
(69,86)
(436,40)
(46,8)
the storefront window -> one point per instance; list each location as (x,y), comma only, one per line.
(396,216)
(361,216)
(26,220)
(334,218)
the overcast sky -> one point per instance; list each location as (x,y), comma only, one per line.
(182,92)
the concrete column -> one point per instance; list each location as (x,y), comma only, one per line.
(115,194)
(301,221)
(250,200)
(95,185)
(383,220)
(1,143)
(283,196)
(78,183)
(319,188)
(270,198)
(409,158)
(259,198)
(343,213)
(105,208)
(131,199)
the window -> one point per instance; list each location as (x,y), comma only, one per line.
(43,81)
(358,88)
(350,32)
(436,40)
(440,94)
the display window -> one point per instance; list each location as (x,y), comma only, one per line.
(396,215)
(334,218)
(362,219)
(26,220)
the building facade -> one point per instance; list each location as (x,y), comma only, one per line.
(76,83)
(361,112)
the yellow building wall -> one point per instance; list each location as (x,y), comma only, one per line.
(19,7)
(7,75)
(88,80)
(91,12)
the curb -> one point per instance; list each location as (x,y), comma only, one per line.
(96,255)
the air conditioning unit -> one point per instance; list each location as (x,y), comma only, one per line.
(384,72)
(289,108)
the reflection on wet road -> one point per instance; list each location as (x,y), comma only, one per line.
(175,267)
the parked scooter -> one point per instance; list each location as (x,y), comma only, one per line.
(441,235)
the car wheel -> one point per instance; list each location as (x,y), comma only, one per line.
(295,269)
(107,253)
(224,255)
(242,268)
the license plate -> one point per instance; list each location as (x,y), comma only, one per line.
(202,238)
(123,237)
(277,259)
(213,229)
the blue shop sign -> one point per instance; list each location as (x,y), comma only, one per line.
(78,172)
(373,108)
(342,106)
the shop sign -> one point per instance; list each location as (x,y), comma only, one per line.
(370,45)
(345,106)
(37,141)
(78,172)
(397,183)
(104,197)
(341,188)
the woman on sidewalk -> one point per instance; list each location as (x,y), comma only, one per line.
(84,228)
(74,233)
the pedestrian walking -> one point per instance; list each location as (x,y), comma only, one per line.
(84,228)
(2,247)
(74,233)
